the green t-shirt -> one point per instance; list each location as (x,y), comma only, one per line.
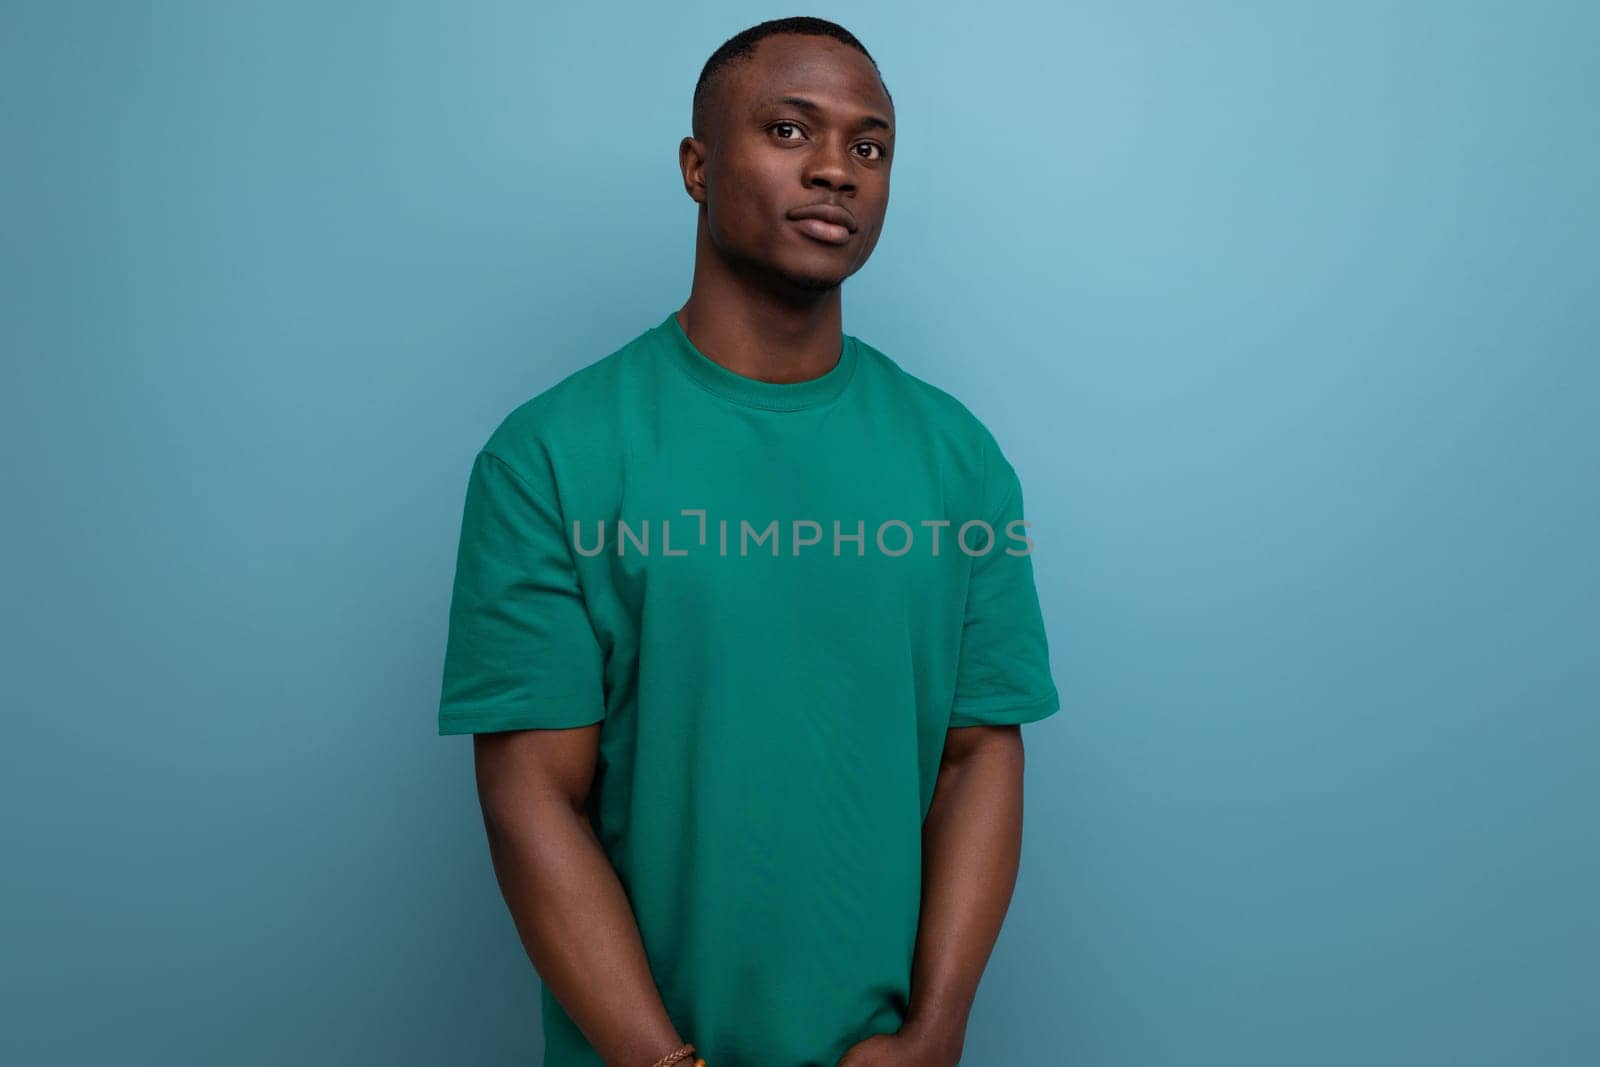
(773,701)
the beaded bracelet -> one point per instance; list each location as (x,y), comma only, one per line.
(677,1054)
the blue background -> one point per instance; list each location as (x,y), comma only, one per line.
(1286,314)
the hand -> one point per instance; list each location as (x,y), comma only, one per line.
(881,1050)
(908,1048)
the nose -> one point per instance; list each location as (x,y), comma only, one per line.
(828,166)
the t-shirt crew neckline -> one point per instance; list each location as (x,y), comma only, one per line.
(753,392)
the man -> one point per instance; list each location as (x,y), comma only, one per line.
(745,682)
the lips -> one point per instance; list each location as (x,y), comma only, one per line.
(826,222)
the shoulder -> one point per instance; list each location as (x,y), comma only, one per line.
(565,421)
(948,421)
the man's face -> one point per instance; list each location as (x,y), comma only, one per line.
(803,123)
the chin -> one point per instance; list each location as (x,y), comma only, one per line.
(814,283)
(812,280)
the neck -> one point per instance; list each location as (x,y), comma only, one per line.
(767,329)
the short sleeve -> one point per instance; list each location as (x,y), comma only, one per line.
(1003,676)
(521,651)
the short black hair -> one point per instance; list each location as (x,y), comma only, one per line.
(742,45)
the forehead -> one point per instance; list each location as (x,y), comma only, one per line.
(837,77)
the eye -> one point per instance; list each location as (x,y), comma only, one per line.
(872,144)
(781,125)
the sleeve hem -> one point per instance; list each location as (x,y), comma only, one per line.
(486,722)
(1007,714)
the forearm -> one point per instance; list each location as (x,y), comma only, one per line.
(579,931)
(972,846)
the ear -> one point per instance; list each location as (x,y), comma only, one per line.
(692,161)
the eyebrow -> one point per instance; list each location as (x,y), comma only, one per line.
(805,104)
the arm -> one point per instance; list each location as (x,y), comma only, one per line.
(972,847)
(565,898)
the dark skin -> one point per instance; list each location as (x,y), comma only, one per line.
(765,298)
(765,304)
